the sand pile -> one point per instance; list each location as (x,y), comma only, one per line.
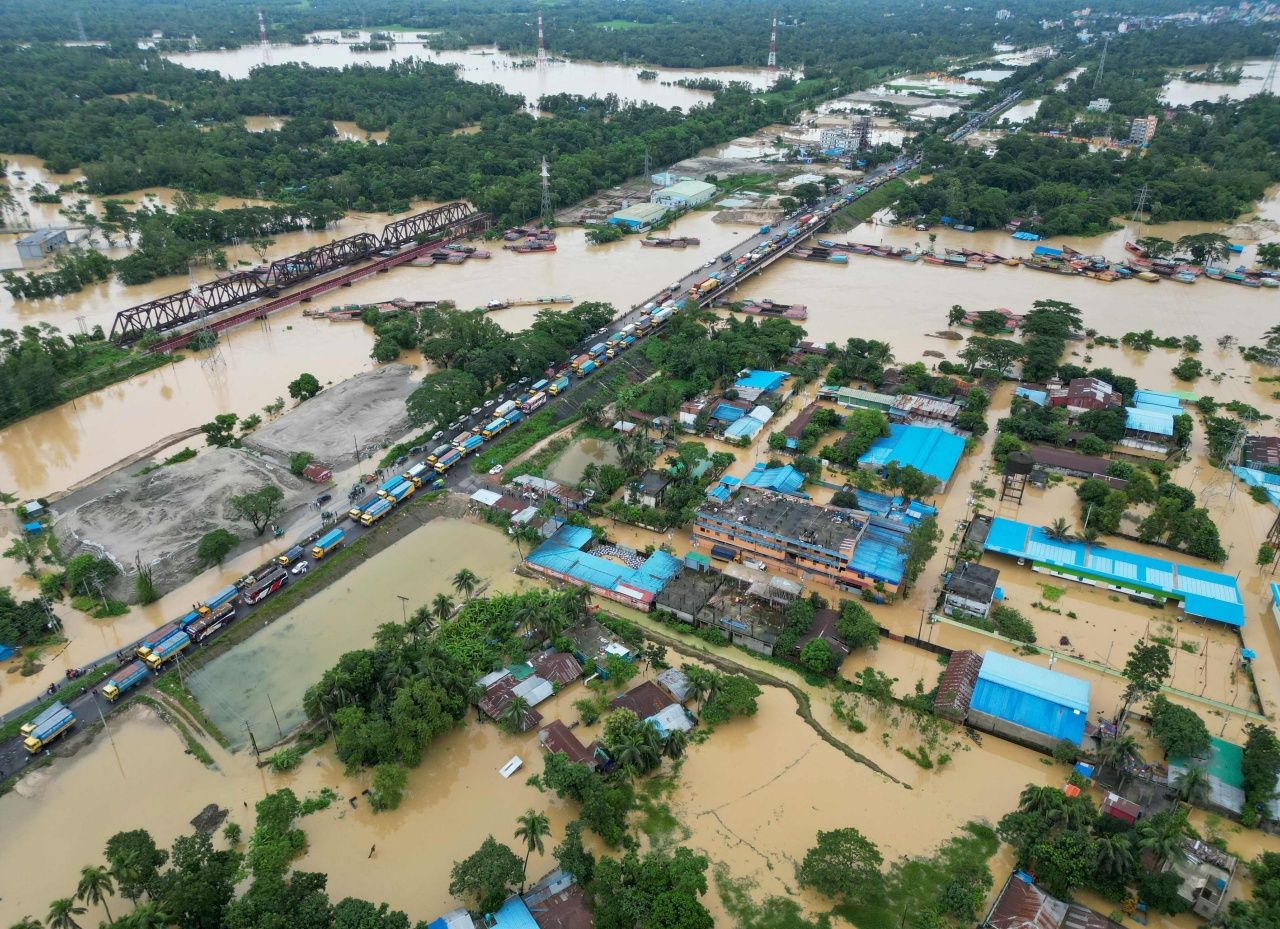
(162,515)
(367,410)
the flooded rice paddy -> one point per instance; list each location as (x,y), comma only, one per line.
(569,465)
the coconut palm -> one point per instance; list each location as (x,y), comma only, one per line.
(1119,753)
(531,828)
(675,745)
(475,693)
(1162,835)
(149,916)
(63,913)
(1058,529)
(1115,854)
(1192,785)
(514,713)
(577,603)
(1042,801)
(442,607)
(465,582)
(28,922)
(421,624)
(552,621)
(635,753)
(95,886)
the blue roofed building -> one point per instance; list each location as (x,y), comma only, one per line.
(1038,397)
(1275,601)
(1027,703)
(925,448)
(785,480)
(630,580)
(754,383)
(454,919)
(513,914)
(745,428)
(1158,401)
(1201,593)
(1148,431)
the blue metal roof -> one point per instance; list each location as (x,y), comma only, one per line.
(744,428)
(727,412)
(1144,399)
(1207,594)
(1275,595)
(925,448)
(880,553)
(1028,695)
(762,380)
(513,915)
(563,553)
(1148,420)
(785,479)
(1038,397)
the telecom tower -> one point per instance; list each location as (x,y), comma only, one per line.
(1269,85)
(546,191)
(542,58)
(262,38)
(1102,63)
(773,43)
(80,28)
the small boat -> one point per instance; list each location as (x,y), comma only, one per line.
(963,228)
(1135,249)
(512,766)
(1269,282)
(1148,276)
(1184,277)
(976,265)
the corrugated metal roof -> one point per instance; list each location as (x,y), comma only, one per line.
(1154,398)
(1032,679)
(1146,420)
(925,448)
(762,380)
(1036,698)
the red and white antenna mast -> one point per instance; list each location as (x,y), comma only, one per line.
(773,44)
(542,45)
(262,38)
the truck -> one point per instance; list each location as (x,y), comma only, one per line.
(376,512)
(52,727)
(613,340)
(155,638)
(533,401)
(597,351)
(362,507)
(558,385)
(265,587)
(643,324)
(578,362)
(587,368)
(327,543)
(537,386)
(504,408)
(764,230)
(48,713)
(661,317)
(628,342)
(437,452)
(513,417)
(460,440)
(416,474)
(707,286)
(494,428)
(448,460)
(222,596)
(401,492)
(724,553)
(206,626)
(385,487)
(167,650)
(123,679)
(291,556)
(471,444)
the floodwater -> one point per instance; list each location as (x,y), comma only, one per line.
(988,75)
(242,686)
(1021,111)
(346,130)
(568,467)
(481,65)
(1178,92)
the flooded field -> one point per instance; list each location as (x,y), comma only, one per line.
(515,74)
(568,467)
(1178,92)
(276,666)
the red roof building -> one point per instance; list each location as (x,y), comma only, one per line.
(1084,393)
(1122,809)
(558,667)
(555,737)
(644,700)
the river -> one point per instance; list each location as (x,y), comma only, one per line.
(1178,92)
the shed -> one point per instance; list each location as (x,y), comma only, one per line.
(763,381)
(486,498)
(638,217)
(555,737)
(318,473)
(669,719)
(744,428)
(926,448)
(1023,905)
(1149,421)
(786,479)
(558,667)
(684,194)
(35,246)
(645,700)
(676,683)
(1122,809)
(1017,699)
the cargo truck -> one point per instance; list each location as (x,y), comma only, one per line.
(417,474)
(533,401)
(49,730)
(376,512)
(362,507)
(537,386)
(265,587)
(587,368)
(385,487)
(190,619)
(167,650)
(437,452)
(206,626)
(494,428)
(155,638)
(613,340)
(513,417)
(460,439)
(291,556)
(558,385)
(43,717)
(327,543)
(123,679)
(469,446)
(597,351)
(227,593)
(504,408)
(402,491)
(448,460)
(578,362)
(643,324)
(628,341)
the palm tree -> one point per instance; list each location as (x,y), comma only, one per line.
(95,886)
(442,606)
(465,582)
(28,922)
(532,827)
(149,916)
(420,625)
(1044,801)
(1058,529)
(552,621)
(514,713)
(1162,835)
(635,754)
(577,603)
(699,684)
(675,745)
(1115,854)
(62,914)
(1119,753)
(475,693)
(1192,785)
(528,615)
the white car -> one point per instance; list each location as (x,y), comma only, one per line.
(475,411)
(488,403)
(496,469)
(708,264)
(439,432)
(300,568)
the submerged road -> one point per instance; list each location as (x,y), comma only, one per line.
(90,705)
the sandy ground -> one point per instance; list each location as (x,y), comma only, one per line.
(364,410)
(161,516)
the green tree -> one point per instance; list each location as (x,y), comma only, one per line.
(298,462)
(1156,247)
(1204,247)
(465,582)
(443,396)
(135,861)
(387,790)
(85,575)
(1260,765)
(1146,669)
(515,715)
(63,913)
(258,507)
(442,607)
(573,857)
(818,657)
(487,876)
(922,541)
(304,387)
(657,890)
(1269,254)
(531,828)
(28,548)
(215,545)
(844,864)
(1180,731)
(1162,834)
(856,626)
(1058,529)
(1192,785)
(730,696)
(95,887)
(955,315)
(1266,555)
(221,433)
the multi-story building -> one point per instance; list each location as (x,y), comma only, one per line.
(1083,393)
(1143,130)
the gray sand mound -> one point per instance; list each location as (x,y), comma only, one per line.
(367,409)
(162,515)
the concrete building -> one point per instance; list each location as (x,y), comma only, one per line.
(843,140)
(1100,105)
(1083,393)
(638,217)
(1026,703)
(684,195)
(1143,130)
(846,549)
(649,489)
(38,245)
(1206,875)
(969,590)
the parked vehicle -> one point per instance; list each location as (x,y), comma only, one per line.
(123,679)
(53,726)
(291,555)
(327,543)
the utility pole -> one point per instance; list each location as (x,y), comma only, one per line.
(404,607)
(252,740)
(262,38)
(274,716)
(773,43)
(542,45)
(1269,85)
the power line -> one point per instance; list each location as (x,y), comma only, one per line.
(1102,63)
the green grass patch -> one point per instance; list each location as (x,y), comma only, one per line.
(526,435)
(771,913)
(171,686)
(67,693)
(193,745)
(617,24)
(536,464)
(1051,593)
(861,210)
